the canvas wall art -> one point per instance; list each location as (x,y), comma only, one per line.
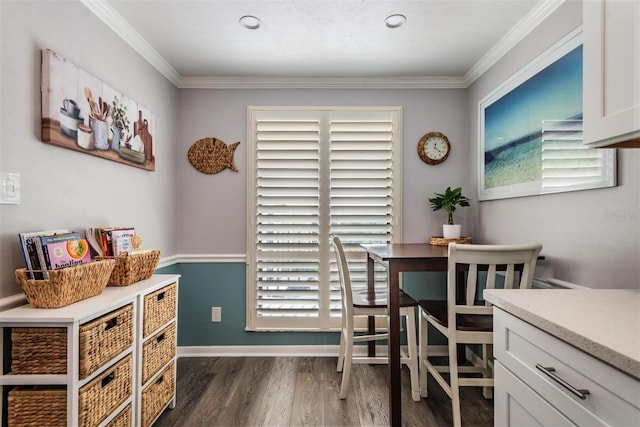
(82,113)
(531,131)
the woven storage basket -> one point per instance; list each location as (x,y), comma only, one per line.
(37,406)
(159,308)
(38,351)
(67,285)
(123,419)
(104,338)
(157,351)
(441,241)
(130,269)
(102,395)
(157,394)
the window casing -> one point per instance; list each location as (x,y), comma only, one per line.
(313,172)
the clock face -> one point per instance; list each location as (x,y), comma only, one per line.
(434,148)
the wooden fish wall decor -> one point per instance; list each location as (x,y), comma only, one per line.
(210,155)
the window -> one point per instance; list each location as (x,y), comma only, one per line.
(313,172)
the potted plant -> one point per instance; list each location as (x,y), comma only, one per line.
(119,123)
(448,201)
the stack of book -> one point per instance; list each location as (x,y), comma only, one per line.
(111,241)
(52,250)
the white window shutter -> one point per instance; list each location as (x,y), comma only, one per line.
(315,172)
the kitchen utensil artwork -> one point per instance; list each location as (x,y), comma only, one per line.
(78,114)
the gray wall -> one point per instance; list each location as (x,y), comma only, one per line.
(63,188)
(211,218)
(591,238)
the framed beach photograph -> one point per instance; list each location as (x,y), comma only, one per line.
(531,131)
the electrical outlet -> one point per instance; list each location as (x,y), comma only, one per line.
(216,314)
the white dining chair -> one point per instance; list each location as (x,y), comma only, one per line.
(359,303)
(465,319)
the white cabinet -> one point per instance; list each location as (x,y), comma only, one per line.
(540,379)
(104,352)
(611,73)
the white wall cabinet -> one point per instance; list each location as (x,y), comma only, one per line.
(144,366)
(611,73)
(585,390)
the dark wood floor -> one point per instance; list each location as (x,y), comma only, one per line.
(304,391)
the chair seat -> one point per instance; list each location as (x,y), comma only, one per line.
(378,299)
(465,322)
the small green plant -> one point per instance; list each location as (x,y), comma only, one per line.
(119,115)
(448,201)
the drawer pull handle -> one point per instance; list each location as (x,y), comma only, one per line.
(160,338)
(550,372)
(106,380)
(160,296)
(111,323)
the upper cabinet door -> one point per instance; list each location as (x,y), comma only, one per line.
(611,73)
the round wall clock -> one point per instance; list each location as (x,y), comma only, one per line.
(434,148)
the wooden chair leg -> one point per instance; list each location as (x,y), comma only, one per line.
(423,342)
(413,357)
(453,381)
(487,355)
(341,351)
(346,370)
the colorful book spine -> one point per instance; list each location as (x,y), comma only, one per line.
(121,240)
(29,246)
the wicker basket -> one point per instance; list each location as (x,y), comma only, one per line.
(159,308)
(38,351)
(441,241)
(102,395)
(157,394)
(37,406)
(157,351)
(123,419)
(67,285)
(130,269)
(104,338)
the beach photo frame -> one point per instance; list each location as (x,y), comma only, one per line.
(530,131)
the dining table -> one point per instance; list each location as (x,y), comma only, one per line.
(399,258)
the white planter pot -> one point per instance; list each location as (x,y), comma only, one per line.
(451,231)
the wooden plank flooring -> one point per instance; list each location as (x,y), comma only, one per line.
(304,391)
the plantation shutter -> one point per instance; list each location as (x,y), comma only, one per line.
(316,172)
(361,185)
(566,161)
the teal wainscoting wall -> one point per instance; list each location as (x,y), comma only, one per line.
(223,284)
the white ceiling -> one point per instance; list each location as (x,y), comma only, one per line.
(200,43)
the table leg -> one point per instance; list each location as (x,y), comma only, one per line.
(395,409)
(371,322)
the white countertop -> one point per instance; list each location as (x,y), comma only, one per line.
(602,322)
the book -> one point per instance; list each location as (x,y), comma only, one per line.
(30,253)
(121,240)
(63,251)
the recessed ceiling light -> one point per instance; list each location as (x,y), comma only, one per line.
(394,21)
(250,22)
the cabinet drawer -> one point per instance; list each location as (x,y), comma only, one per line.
(613,396)
(104,338)
(157,394)
(37,406)
(102,395)
(515,404)
(159,308)
(123,419)
(157,351)
(39,351)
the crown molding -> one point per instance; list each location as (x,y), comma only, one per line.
(321,83)
(122,28)
(511,39)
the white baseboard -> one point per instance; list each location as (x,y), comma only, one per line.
(283,350)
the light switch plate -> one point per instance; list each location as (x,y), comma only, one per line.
(9,188)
